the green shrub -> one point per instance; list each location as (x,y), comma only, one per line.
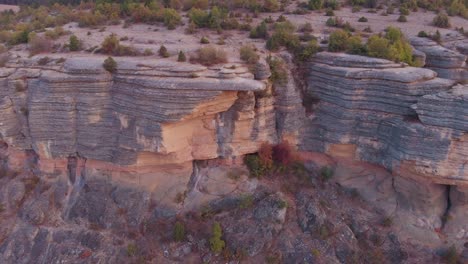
(331,22)
(181,57)
(179,232)
(451,256)
(204,40)
(38,45)
(315,4)
(131,250)
(163,52)
(216,243)
(283,36)
(261,31)
(271,5)
(338,41)
(209,56)
(171,18)
(329,12)
(19,37)
(74,43)
(248,54)
(326,173)
(43,61)
(279,71)
(355,46)
(306,28)
(307,51)
(392,47)
(110,65)
(255,166)
(191,28)
(402,18)
(441,20)
(148,52)
(110,44)
(404,11)
(246,201)
(362,19)
(333,4)
(198,17)
(387,222)
(423,34)
(55,33)
(437,37)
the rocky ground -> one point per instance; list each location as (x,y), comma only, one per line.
(284,218)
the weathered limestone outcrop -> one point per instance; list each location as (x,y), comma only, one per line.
(447,63)
(404,118)
(367,111)
(141,124)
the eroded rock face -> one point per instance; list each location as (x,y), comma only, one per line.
(447,63)
(141,124)
(404,118)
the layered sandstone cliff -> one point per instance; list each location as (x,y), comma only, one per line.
(142,124)
(403,118)
(448,63)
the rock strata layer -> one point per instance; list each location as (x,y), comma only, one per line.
(404,118)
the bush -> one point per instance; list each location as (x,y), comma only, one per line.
(283,36)
(331,22)
(110,65)
(74,43)
(248,54)
(110,44)
(261,31)
(451,256)
(329,12)
(246,201)
(402,18)
(333,4)
(163,52)
(355,46)
(181,57)
(204,40)
(326,173)
(315,4)
(307,51)
(43,61)
(306,28)
(209,56)
(148,52)
(255,166)
(441,20)
(338,41)
(179,232)
(265,154)
(279,72)
(271,5)
(131,250)
(171,18)
(437,37)
(198,17)
(55,33)
(423,34)
(39,45)
(216,243)
(283,154)
(404,11)
(362,19)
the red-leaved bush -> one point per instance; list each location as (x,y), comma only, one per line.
(283,154)
(265,153)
